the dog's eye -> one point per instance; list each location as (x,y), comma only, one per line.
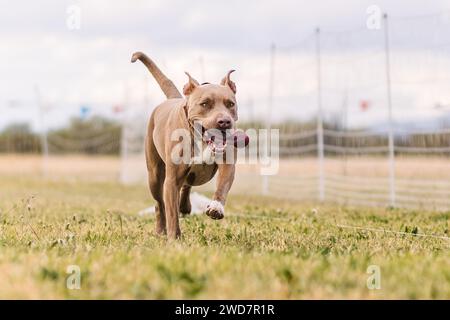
(230,104)
(205,104)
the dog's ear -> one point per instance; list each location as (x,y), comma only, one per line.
(227,81)
(190,86)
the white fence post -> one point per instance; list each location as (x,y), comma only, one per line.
(391,124)
(265,178)
(320,144)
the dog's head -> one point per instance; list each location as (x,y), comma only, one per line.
(213,106)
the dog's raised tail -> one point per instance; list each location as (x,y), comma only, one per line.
(165,83)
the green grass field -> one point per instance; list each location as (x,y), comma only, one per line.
(262,249)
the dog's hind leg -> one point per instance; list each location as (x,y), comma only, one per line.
(156,184)
(172,188)
(185,202)
(156,175)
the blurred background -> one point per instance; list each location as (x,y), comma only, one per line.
(359,90)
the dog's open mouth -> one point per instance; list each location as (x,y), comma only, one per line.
(217,139)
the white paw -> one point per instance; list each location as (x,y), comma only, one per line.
(215,210)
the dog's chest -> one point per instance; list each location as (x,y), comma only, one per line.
(200,173)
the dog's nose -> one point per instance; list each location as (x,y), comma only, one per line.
(224,123)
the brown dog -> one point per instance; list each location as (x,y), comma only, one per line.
(170,182)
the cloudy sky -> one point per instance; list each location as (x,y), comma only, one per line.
(43,50)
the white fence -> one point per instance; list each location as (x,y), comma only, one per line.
(360,175)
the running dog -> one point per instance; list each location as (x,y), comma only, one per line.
(214,107)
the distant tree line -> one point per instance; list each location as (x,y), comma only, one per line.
(98,135)
(18,138)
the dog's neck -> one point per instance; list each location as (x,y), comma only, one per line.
(185,116)
(190,126)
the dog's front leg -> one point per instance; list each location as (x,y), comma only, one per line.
(172,186)
(215,209)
